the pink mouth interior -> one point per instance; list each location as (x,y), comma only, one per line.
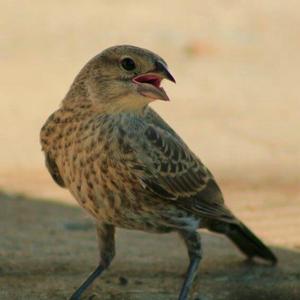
(147,78)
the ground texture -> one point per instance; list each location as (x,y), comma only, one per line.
(47,248)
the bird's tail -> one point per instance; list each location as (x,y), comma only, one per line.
(245,240)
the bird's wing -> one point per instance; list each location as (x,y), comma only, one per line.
(172,171)
(53,170)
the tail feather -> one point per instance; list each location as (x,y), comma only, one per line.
(249,243)
(245,240)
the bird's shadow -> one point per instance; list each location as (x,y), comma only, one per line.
(47,248)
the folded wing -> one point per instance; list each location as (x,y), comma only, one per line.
(172,171)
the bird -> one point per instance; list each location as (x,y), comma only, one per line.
(128,168)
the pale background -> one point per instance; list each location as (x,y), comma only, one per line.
(236,101)
(237,66)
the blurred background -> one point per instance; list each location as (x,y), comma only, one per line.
(236,101)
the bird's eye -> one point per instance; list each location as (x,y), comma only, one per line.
(128,64)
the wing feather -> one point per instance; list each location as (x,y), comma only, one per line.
(175,173)
(53,170)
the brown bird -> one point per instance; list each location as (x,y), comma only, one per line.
(128,168)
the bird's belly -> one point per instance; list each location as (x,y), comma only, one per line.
(138,213)
(112,195)
(156,221)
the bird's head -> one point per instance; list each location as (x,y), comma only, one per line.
(124,78)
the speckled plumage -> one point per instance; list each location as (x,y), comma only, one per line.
(124,164)
(96,162)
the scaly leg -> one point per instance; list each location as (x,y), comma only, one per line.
(106,241)
(193,243)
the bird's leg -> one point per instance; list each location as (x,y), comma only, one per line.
(106,242)
(193,244)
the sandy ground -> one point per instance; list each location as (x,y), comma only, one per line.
(48,247)
(236,103)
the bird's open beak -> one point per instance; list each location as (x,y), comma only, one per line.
(148,84)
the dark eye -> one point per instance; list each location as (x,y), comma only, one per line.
(128,64)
